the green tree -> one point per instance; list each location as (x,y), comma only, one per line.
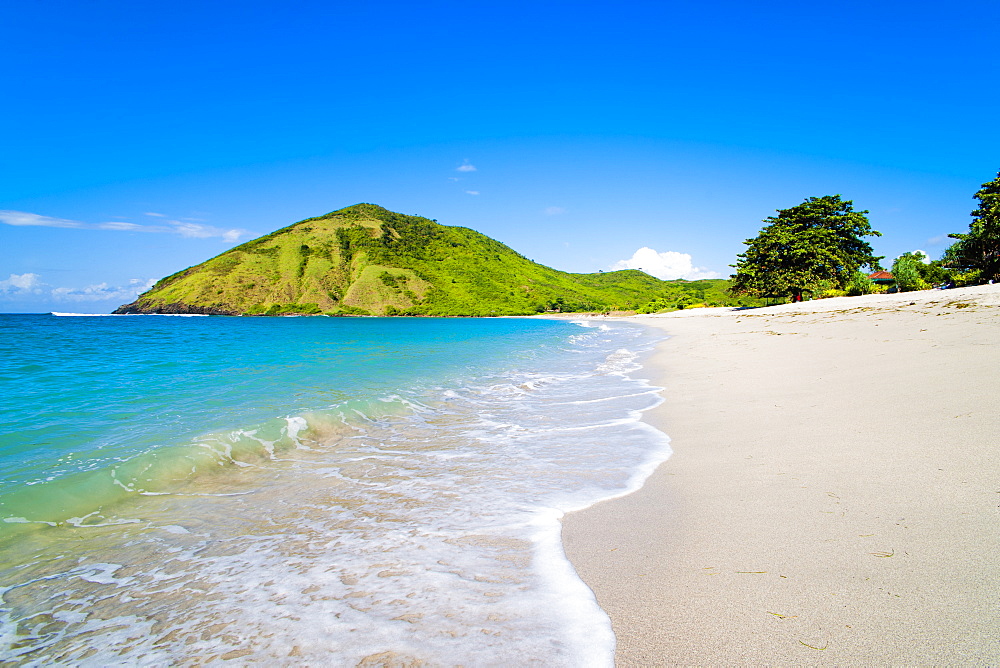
(979,248)
(860,284)
(932,271)
(817,242)
(906,271)
(935,272)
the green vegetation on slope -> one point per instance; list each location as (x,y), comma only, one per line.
(366,260)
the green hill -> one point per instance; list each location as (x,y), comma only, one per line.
(366,260)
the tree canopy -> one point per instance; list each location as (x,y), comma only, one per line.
(816,245)
(979,248)
(906,269)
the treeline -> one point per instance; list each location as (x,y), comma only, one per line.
(818,249)
(682,294)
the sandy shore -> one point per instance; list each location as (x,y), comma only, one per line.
(834,493)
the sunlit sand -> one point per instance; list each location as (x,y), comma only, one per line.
(833,493)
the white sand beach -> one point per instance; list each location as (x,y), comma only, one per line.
(834,493)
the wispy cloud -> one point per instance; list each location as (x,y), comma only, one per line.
(25,219)
(667,265)
(471,192)
(466,166)
(184,228)
(19,286)
(196,231)
(122,227)
(155,215)
(554,211)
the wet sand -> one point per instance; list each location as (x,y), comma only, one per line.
(834,493)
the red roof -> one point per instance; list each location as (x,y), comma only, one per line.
(880,275)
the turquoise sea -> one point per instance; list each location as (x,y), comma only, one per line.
(291,491)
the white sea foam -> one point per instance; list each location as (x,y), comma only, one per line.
(80,315)
(424,527)
(126,315)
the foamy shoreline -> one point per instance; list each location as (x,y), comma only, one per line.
(833,493)
(409,521)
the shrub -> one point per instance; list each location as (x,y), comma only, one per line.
(973,277)
(907,273)
(654,306)
(860,284)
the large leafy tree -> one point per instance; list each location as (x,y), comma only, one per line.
(979,248)
(817,243)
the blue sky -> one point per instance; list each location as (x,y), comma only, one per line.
(137,139)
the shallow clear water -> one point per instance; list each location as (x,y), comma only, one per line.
(309,490)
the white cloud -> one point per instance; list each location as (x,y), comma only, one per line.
(184,228)
(121,227)
(91,292)
(926,258)
(667,265)
(25,219)
(471,192)
(103,291)
(19,286)
(21,283)
(155,215)
(554,210)
(465,167)
(196,231)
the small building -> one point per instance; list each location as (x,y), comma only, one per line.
(882,278)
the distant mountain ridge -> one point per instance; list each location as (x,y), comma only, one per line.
(367,260)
